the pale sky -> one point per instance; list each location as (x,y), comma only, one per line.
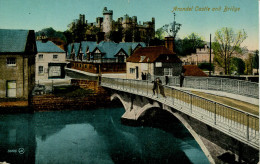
(39,14)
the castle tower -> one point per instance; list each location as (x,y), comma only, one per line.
(82,18)
(126,21)
(107,20)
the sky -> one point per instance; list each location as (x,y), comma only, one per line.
(39,14)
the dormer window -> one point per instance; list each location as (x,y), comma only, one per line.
(142,58)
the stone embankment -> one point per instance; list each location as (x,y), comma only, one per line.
(98,97)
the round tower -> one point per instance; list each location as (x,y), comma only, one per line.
(107,20)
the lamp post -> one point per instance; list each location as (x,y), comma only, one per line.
(210,55)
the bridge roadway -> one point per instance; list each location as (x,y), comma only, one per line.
(236,123)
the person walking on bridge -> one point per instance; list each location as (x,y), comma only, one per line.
(156,86)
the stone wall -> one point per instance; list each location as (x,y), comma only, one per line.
(217,142)
(52,102)
(89,84)
(22,73)
(99,98)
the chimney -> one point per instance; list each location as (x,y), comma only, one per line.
(169,43)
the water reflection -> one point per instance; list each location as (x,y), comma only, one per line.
(93,136)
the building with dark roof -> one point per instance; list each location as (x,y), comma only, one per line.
(193,70)
(154,61)
(17,64)
(50,62)
(105,57)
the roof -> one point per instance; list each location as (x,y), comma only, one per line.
(109,48)
(13,40)
(76,47)
(193,70)
(48,46)
(128,47)
(87,45)
(69,51)
(152,54)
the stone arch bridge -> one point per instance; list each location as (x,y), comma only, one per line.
(217,128)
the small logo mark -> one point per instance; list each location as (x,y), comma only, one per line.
(21,150)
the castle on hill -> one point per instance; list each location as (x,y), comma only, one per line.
(127,27)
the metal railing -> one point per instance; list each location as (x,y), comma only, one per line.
(234,122)
(241,87)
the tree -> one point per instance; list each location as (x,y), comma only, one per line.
(116,34)
(226,43)
(159,33)
(77,30)
(206,66)
(51,33)
(189,44)
(249,64)
(237,65)
(159,38)
(192,42)
(256,60)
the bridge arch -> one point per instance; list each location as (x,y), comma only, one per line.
(136,107)
(116,96)
(180,119)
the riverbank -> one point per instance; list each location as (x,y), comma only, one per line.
(79,95)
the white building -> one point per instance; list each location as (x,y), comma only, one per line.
(50,62)
(202,55)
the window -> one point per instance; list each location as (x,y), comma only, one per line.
(132,70)
(11,88)
(40,70)
(97,56)
(158,64)
(40,57)
(11,62)
(142,58)
(167,71)
(55,57)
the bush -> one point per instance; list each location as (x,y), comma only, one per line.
(206,66)
(71,91)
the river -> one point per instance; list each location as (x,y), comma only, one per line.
(94,137)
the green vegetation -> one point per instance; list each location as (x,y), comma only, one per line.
(206,66)
(237,65)
(189,44)
(71,91)
(51,33)
(256,60)
(227,42)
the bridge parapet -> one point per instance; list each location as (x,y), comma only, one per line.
(240,87)
(234,122)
